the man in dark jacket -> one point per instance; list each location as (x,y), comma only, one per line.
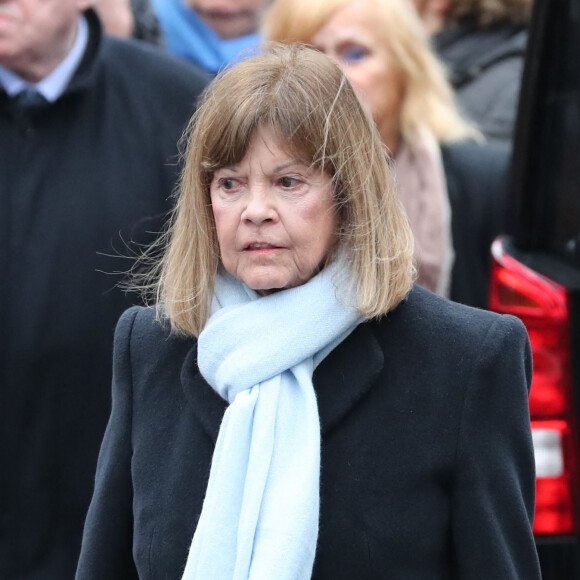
(483,44)
(88,160)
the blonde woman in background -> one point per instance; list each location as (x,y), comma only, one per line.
(451,186)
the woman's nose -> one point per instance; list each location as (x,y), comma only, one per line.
(260,207)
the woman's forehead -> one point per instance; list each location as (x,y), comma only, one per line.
(274,136)
(272,153)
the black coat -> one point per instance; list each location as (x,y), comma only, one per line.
(78,179)
(485,66)
(477,184)
(427,460)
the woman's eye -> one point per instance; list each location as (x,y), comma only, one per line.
(227,183)
(288,182)
(353,54)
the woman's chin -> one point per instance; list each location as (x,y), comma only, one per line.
(268,284)
(268,291)
(265,287)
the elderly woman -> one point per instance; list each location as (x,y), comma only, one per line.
(293,409)
(452,189)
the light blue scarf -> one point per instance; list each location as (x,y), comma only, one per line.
(187,36)
(260,514)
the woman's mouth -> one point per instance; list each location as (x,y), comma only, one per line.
(260,247)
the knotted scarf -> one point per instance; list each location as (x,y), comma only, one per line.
(260,514)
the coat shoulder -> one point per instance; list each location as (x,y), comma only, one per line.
(148,337)
(143,320)
(433,319)
(140,62)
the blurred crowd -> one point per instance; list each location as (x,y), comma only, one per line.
(94,96)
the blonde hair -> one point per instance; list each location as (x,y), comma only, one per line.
(311,106)
(428,97)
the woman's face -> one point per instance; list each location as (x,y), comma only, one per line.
(353,38)
(231,18)
(275,216)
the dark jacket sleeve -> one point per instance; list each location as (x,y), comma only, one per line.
(108,535)
(494,483)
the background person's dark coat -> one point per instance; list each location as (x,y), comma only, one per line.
(77,179)
(477,184)
(485,66)
(147,25)
(427,461)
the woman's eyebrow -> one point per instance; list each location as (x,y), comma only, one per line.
(286,165)
(232,168)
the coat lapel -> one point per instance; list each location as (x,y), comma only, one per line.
(207,405)
(341,380)
(346,375)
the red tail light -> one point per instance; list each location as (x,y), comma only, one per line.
(543,307)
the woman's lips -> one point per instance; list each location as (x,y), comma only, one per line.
(261,248)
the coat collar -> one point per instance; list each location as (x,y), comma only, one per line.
(341,381)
